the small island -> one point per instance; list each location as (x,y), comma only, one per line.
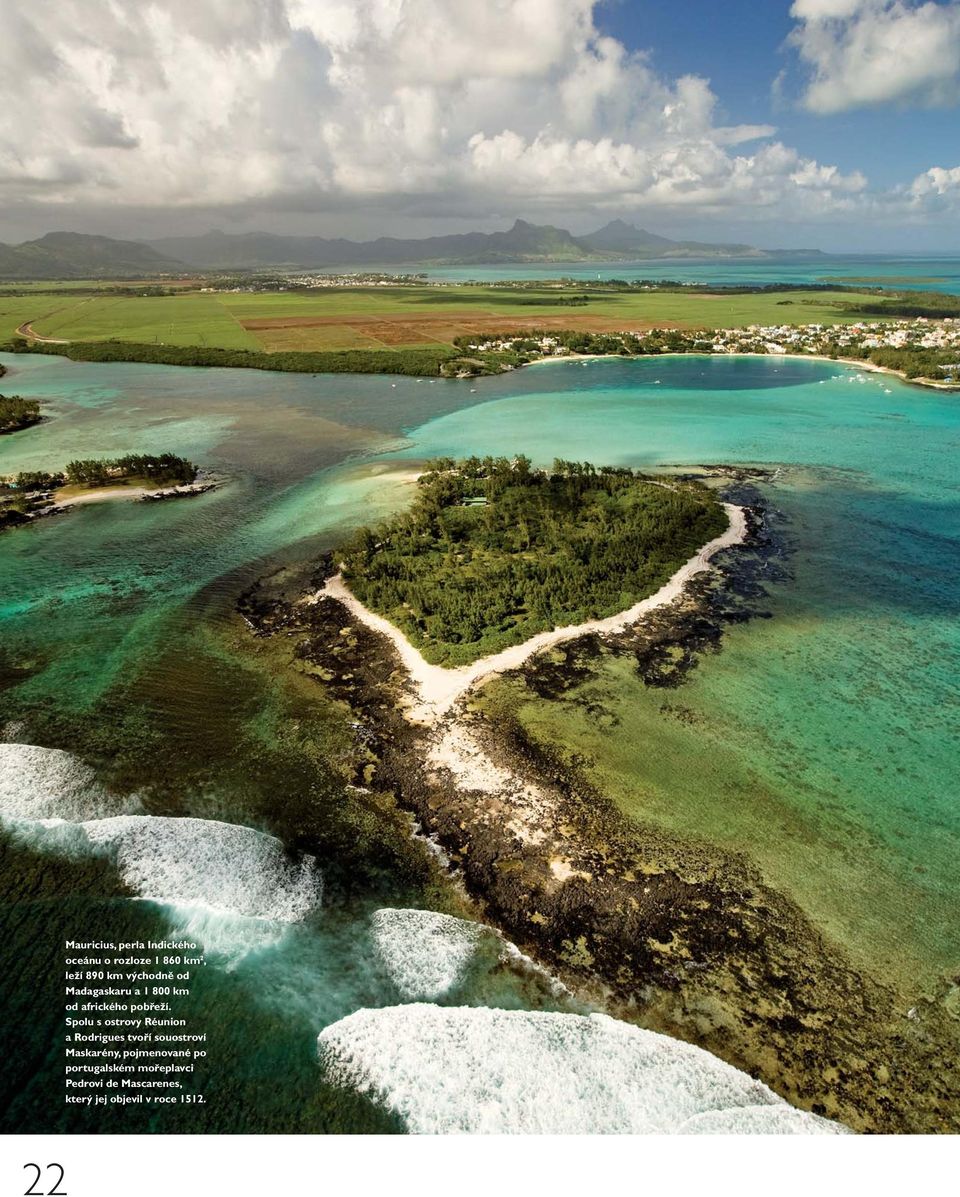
(493,551)
(146,477)
(17,413)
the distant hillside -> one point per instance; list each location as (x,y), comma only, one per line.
(627,241)
(79,255)
(237,251)
(524,242)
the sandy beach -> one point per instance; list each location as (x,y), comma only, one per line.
(102,494)
(107,494)
(437,688)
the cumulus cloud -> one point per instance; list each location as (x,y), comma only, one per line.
(936,191)
(867,52)
(442,105)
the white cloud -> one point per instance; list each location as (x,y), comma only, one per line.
(936,191)
(867,52)
(443,105)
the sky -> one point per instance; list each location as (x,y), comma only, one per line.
(830,124)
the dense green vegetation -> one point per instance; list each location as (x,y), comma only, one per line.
(494,551)
(17,413)
(415,362)
(164,467)
(907,305)
(912,361)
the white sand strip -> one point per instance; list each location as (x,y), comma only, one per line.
(103,494)
(438,688)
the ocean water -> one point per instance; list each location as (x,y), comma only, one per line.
(830,727)
(925,273)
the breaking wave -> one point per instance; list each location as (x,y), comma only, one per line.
(45,783)
(429,956)
(230,937)
(479,1070)
(221,866)
(52,802)
(426,954)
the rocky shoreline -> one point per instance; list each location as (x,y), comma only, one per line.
(678,936)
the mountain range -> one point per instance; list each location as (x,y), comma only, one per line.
(524,242)
(80,255)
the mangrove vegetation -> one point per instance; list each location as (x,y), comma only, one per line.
(428,361)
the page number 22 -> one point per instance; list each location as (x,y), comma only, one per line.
(56,1191)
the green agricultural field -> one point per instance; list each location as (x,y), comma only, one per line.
(412,315)
(189,319)
(18,309)
(374,318)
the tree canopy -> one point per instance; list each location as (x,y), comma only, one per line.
(494,551)
(17,412)
(163,467)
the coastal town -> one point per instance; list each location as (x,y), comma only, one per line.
(930,341)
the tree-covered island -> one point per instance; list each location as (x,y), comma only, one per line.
(26,495)
(17,412)
(494,551)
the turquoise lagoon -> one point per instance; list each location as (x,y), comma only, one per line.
(823,741)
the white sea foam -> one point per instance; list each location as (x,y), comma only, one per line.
(759,1120)
(43,783)
(425,953)
(54,836)
(202,862)
(479,1070)
(229,936)
(51,800)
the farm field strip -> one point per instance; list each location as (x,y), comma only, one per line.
(23,309)
(189,319)
(395,317)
